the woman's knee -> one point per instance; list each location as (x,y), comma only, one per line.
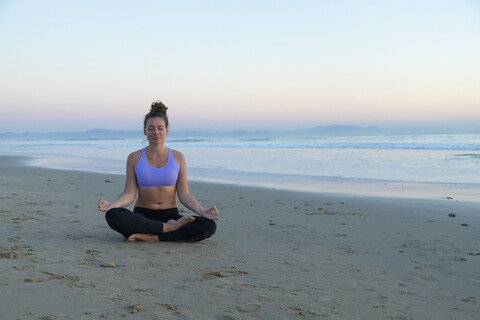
(114,215)
(210,228)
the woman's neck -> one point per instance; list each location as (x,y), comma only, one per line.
(157,148)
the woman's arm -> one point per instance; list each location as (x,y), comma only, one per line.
(130,191)
(184,195)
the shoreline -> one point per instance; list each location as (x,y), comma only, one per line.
(320,185)
(276,255)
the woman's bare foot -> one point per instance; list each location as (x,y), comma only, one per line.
(172,225)
(169,226)
(142,237)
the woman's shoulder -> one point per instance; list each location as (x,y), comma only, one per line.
(178,155)
(134,156)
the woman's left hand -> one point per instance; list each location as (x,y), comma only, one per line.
(211,213)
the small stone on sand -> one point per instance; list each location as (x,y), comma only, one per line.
(108,265)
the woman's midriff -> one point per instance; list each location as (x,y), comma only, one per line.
(156,198)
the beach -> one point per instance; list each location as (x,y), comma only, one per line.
(276,255)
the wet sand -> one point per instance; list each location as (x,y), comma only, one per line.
(276,255)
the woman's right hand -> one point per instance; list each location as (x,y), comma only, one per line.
(104,205)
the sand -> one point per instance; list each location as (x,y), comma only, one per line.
(276,255)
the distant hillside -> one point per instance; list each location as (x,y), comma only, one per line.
(94,134)
(318,131)
(334,130)
(344,130)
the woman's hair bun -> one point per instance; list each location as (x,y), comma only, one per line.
(158,109)
(158,106)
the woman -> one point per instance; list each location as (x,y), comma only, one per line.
(158,173)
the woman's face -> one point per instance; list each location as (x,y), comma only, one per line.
(156,130)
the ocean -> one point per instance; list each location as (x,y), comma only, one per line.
(347,164)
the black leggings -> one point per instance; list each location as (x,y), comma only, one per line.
(148,221)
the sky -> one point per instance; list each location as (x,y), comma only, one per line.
(266,64)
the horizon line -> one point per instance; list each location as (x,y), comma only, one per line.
(404,127)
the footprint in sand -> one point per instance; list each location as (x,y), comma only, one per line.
(228,317)
(135,308)
(50,317)
(33,280)
(16,252)
(249,307)
(222,274)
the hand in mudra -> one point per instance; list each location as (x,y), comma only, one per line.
(211,213)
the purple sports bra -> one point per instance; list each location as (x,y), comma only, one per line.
(148,176)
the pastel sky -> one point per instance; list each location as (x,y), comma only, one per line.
(77,65)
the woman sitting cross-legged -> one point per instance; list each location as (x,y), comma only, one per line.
(158,173)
